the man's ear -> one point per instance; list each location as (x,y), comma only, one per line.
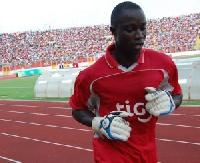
(112,29)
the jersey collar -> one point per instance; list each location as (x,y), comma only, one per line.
(113,63)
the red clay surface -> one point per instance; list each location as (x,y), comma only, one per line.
(6,77)
(32,131)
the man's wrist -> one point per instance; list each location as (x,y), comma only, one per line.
(96,124)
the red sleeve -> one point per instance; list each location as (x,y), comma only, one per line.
(81,93)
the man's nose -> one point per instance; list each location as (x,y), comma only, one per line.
(139,34)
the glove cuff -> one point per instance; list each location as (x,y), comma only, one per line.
(173,105)
(96,124)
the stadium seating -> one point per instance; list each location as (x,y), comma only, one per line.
(168,34)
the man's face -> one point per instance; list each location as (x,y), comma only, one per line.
(130,32)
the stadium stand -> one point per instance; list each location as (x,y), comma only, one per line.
(43,48)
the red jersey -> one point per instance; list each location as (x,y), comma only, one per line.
(107,86)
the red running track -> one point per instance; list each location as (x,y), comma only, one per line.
(44,132)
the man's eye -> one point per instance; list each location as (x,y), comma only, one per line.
(129,30)
(143,29)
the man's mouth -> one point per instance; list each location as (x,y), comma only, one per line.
(139,43)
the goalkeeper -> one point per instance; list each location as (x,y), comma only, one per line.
(122,95)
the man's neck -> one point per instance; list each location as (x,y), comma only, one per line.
(126,60)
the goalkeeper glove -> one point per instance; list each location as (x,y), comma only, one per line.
(113,125)
(159,102)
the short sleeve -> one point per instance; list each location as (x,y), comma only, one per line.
(81,93)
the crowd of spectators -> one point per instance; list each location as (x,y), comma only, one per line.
(169,34)
(173,34)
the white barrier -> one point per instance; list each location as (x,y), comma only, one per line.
(60,83)
(189,79)
(185,53)
(56,83)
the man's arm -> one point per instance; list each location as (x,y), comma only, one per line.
(113,125)
(177,100)
(83,116)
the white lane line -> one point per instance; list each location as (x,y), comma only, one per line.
(39,124)
(20,105)
(165,124)
(36,113)
(177,141)
(60,108)
(71,128)
(16,87)
(62,116)
(187,115)
(71,116)
(32,106)
(14,112)
(68,108)
(8,159)
(40,114)
(47,142)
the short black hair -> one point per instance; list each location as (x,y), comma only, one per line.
(117,11)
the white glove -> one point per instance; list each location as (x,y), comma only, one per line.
(113,125)
(159,102)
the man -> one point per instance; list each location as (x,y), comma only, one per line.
(124,92)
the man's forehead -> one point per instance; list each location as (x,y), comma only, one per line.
(133,15)
(136,13)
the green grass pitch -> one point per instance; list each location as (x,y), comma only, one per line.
(22,89)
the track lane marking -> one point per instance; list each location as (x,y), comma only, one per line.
(47,142)
(8,159)
(178,141)
(13,111)
(86,149)
(29,106)
(16,87)
(195,115)
(165,124)
(68,108)
(39,124)
(32,106)
(40,114)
